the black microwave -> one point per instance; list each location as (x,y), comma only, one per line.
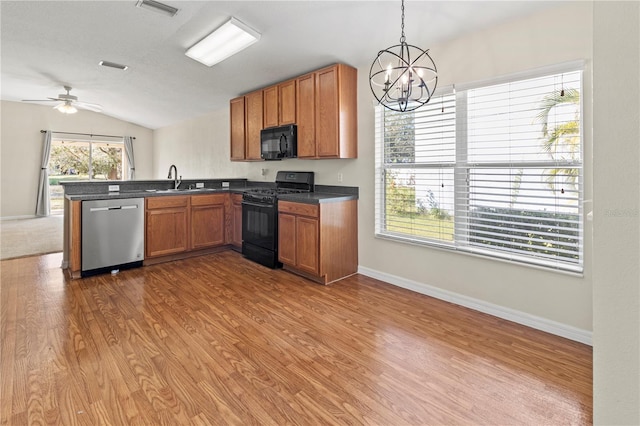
(280,142)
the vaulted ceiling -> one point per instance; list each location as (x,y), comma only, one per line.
(48,44)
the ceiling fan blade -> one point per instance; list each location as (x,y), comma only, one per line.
(88,106)
(38,100)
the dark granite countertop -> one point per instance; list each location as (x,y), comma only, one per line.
(147,193)
(85,191)
(317,197)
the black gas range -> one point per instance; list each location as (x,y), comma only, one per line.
(260,216)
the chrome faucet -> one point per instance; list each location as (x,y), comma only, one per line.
(176,181)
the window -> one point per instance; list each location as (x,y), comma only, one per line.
(82,160)
(494,170)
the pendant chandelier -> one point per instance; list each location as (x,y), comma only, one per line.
(403,77)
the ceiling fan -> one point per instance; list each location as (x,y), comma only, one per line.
(68,103)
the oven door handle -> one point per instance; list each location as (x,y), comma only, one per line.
(247,203)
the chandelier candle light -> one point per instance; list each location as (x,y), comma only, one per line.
(403,77)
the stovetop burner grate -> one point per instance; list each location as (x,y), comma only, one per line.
(286,183)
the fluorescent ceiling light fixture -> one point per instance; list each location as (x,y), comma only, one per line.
(66,108)
(156,6)
(227,40)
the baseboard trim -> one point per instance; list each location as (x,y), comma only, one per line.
(31,216)
(533,321)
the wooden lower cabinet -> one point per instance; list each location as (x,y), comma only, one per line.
(319,241)
(208,220)
(236,221)
(287,241)
(72,238)
(166,226)
(176,227)
(181,224)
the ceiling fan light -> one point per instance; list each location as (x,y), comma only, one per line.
(232,37)
(66,108)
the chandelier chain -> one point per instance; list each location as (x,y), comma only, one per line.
(402,37)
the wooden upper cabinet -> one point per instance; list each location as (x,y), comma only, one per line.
(327,113)
(270,113)
(280,104)
(287,102)
(306,113)
(237,129)
(253,124)
(336,112)
(323,104)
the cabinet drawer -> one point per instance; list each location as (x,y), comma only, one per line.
(208,199)
(312,210)
(167,202)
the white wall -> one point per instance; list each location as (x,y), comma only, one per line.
(200,148)
(616,282)
(21,148)
(543,39)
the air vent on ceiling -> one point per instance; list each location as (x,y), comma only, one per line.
(113,65)
(156,6)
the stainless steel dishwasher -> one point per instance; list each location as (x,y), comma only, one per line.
(112,234)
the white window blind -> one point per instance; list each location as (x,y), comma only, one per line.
(494,170)
(417,171)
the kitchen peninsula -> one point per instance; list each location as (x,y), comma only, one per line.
(205,216)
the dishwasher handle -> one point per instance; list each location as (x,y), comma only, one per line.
(104,209)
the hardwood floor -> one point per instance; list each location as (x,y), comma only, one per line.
(221,340)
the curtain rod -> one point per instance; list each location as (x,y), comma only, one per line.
(85,134)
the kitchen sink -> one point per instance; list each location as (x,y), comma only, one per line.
(165,191)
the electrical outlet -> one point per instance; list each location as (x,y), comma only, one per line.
(114,188)
(339,177)
(225,184)
(199,184)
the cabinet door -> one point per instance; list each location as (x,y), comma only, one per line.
(287,239)
(270,99)
(166,231)
(287,104)
(308,244)
(207,226)
(305,111)
(253,124)
(236,235)
(327,131)
(237,128)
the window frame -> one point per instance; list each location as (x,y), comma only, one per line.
(463,167)
(55,191)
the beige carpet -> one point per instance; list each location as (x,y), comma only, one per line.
(29,237)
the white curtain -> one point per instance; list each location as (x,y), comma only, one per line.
(128,150)
(43,204)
